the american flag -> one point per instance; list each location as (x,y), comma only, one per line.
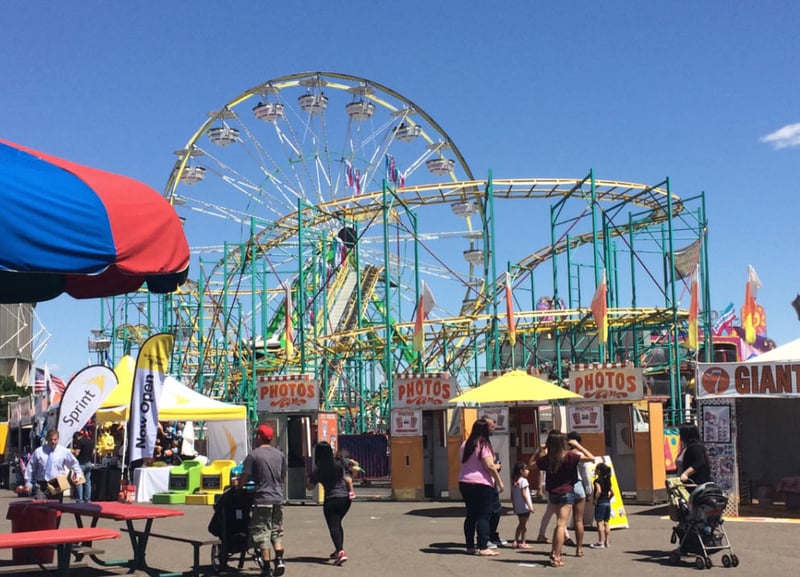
(45,381)
(39,381)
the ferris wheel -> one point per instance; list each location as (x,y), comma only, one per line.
(302,187)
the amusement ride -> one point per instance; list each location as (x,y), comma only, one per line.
(322,208)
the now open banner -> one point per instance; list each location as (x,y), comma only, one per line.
(152,365)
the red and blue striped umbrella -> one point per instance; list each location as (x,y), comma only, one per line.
(68,228)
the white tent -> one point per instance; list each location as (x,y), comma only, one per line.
(226,424)
(788,352)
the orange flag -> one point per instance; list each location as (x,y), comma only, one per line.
(599,310)
(512,329)
(288,334)
(694,311)
(749,308)
(424,307)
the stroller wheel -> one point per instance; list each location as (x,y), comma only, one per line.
(675,557)
(734,561)
(708,563)
(699,563)
(726,561)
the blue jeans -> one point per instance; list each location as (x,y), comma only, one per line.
(479,500)
(83,493)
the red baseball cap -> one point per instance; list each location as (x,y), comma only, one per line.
(265,432)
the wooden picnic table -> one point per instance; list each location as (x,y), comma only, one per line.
(126,512)
(62,539)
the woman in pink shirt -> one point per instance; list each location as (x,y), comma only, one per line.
(476,480)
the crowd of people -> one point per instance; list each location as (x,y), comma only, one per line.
(567,490)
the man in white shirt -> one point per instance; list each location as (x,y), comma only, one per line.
(47,462)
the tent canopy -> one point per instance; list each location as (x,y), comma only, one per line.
(178,402)
(515,387)
(788,352)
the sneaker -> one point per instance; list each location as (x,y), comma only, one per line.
(569,542)
(266,571)
(608,545)
(490,545)
(597,546)
(280,567)
(340,559)
(333,555)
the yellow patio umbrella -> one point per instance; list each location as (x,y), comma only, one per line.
(515,387)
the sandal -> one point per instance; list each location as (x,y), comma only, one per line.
(579,552)
(487,553)
(523,545)
(556,563)
(542,539)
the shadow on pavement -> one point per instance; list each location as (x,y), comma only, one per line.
(448,548)
(655,511)
(658,557)
(440,512)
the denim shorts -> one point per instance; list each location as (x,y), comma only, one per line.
(568,499)
(580,491)
(602,511)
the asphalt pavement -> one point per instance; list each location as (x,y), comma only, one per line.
(414,539)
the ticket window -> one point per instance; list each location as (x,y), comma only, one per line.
(298,454)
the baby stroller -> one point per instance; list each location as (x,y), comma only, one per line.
(700,530)
(231,524)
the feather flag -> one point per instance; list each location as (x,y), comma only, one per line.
(724,321)
(599,310)
(749,307)
(288,335)
(152,365)
(512,329)
(694,310)
(424,307)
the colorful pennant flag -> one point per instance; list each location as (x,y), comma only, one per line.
(288,334)
(424,307)
(512,329)
(724,321)
(694,310)
(600,311)
(749,311)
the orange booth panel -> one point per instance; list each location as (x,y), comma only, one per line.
(407,479)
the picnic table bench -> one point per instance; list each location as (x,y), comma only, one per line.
(195,543)
(62,539)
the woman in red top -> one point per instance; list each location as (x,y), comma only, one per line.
(560,465)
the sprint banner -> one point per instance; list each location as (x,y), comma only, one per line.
(84,394)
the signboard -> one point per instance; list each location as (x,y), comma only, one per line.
(287,394)
(500,417)
(423,390)
(742,380)
(619,518)
(607,383)
(585,418)
(406,423)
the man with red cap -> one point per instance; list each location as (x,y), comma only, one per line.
(265,466)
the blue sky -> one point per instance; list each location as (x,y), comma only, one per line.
(705,93)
